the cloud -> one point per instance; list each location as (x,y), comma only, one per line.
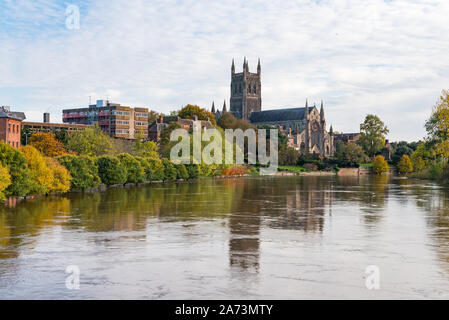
(360,57)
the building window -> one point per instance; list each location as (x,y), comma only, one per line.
(9,127)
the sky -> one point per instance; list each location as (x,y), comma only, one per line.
(388,58)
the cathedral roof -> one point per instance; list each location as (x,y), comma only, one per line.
(278,115)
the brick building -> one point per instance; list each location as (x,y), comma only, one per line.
(114,119)
(10,126)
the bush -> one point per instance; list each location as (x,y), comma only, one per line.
(181,171)
(83,170)
(16,163)
(310,167)
(193,170)
(146,167)
(135,171)
(158,169)
(350,155)
(111,170)
(47,144)
(405,164)
(170,172)
(233,171)
(380,165)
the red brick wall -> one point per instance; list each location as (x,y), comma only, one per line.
(10,131)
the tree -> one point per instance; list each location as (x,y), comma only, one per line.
(158,169)
(423,156)
(146,167)
(350,155)
(380,165)
(62,135)
(61,176)
(16,163)
(135,171)
(181,171)
(165,143)
(47,144)
(91,142)
(372,134)
(288,156)
(170,172)
(147,149)
(111,170)
(191,110)
(41,176)
(437,126)
(152,116)
(83,170)
(401,148)
(405,165)
(193,170)
(5,181)
(228,121)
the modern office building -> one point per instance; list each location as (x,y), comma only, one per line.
(114,119)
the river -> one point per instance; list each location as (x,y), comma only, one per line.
(235,238)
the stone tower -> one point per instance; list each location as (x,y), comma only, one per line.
(246,94)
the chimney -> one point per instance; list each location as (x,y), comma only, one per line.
(6,108)
(46,117)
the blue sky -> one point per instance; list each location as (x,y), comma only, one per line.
(360,57)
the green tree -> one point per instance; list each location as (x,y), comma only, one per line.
(62,136)
(423,156)
(405,165)
(193,170)
(192,110)
(16,163)
(147,149)
(5,181)
(158,169)
(111,170)
(181,171)
(380,165)
(91,142)
(401,148)
(288,156)
(170,172)
(350,155)
(41,177)
(61,176)
(83,170)
(135,171)
(146,167)
(372,134)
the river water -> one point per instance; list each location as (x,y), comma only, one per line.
(237,238)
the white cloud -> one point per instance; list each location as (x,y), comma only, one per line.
(383,57)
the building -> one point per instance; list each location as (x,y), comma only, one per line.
(10,126)
(305,127)
(346,138)
(155,129)
(34,127)
(246,95)
(114,119)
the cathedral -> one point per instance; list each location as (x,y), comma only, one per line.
(305,127)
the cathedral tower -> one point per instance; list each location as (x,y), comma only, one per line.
(246,94)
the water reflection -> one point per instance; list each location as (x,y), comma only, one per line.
(250,215)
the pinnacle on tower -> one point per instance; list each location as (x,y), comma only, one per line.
(331,131)
(258,67)
(306,109)
(233,66)
(224,107)
(213,107)
(322,111)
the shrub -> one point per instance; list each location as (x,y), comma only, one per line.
(233,171)
(380,165)
(405,164)
(310,167)
(135,171)
(193,170)
(350,155)
(170,172)
(83,170)
(5,181)
(158,169)
(111,170)
(16,163)
(181,171)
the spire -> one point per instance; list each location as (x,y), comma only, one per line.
(331,131)
(247,66)
(258,67)
(233,66)
(244,64)
(213,107)
(306,109)
(224,107)
(322,111)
